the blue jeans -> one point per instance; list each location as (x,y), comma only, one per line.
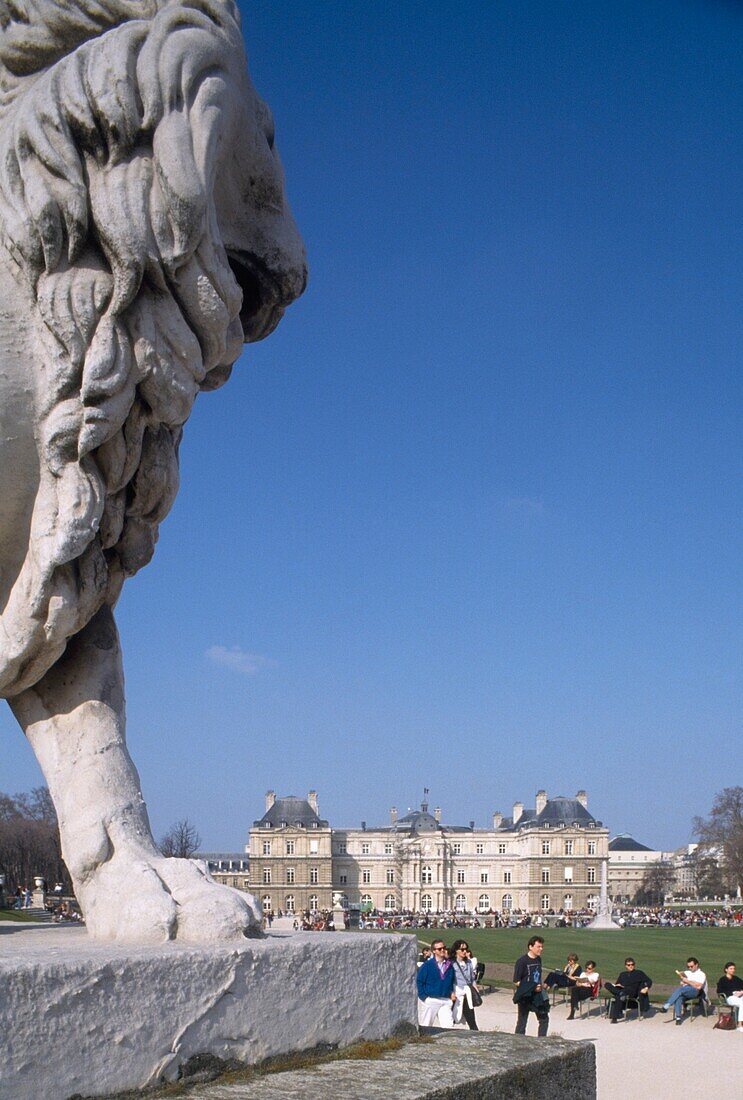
(677,998)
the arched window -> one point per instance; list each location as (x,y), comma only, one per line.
(567,901)
(426,903)
(545,901)
(483,903)
(426,876)
(507,901)
(314,903)
(267,903)
(366,901)
(390,902)
(289,903)
(592,901)
(460,903)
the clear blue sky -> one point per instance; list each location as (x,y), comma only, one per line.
(470,518)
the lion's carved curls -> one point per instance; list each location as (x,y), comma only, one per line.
(106,164)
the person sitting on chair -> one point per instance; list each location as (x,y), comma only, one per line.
(585,986)
(730,986)
(561,979)
(692,983)
(631,985)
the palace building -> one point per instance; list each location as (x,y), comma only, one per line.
(543,858)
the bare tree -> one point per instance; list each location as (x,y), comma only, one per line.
(656,883)
(29,840)
(721,835)
(181,840)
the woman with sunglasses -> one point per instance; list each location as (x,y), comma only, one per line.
(464,978)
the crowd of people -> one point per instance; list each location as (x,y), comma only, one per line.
(448,989)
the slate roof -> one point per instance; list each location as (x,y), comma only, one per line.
(558,811)
(626,843)
(291,811)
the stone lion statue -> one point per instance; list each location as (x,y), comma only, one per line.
(144,237)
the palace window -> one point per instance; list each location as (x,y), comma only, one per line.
(460,903)
(507,901)
(484,875)
(591,874)
(267,876)
(502,848)
(483,903)
(341,847)
(568,847)
(290,847)
(343,879)
(568,874)
(365,849)
(507,877)
(267,847)
(388,849)
(567,901)
(366,901)
(390,902)
(289,903)
(314,847)
(592,847)
(314,876)
(479,849)
(460,875)
(545,902)
(545,874)
(290,876)
(426,876)
(314,903)
(426,903)
(456,849)
(366,876)
(390,876)
(545,847)
(266,903)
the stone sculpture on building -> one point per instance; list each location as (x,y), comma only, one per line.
(145,236)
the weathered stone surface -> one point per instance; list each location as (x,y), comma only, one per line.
(94,1019)
(458,1065)
(144,236)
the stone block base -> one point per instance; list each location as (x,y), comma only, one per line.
(79,1018)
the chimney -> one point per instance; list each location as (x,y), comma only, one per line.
(363,826)
(541,801)
(393,815)
(472,825)
(582,797)
(270,799)
(437,813)
(312,799)
(518,809)
(497,819)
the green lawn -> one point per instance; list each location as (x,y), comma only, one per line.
(658,951)
(19,915)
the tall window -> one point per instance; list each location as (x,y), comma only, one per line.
(460,903)
(460,875)
(314,876)
(426,876)
(343,879)
(591,874)
(390,902)
(267,847)
(289,903)
(480,849)
(426,903)
(266,903)
(507,877)
(341,847)
(502,849)
(314,847)
(290,876)
(314,903)
(290,847)
(388,849)
(456,849)
(267,876)
(592,847)
(483,903)
(365,848)
(568,874)
(366,902)
(592,901)
(545,874)
(545,901)
(366,876)
(507,901)
(567,901)
(568,847)
(390,876)
(484,875)
(545,847)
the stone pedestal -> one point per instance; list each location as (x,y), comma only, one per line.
(80,1018)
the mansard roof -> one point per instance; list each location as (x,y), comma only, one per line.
(291,811)
(626,843)
(558,812)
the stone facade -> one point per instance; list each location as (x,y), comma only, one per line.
(545,858)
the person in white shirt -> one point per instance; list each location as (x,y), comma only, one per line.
(586,985)
(692,982)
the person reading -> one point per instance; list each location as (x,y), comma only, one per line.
(632,984)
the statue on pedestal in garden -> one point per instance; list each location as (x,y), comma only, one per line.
(144,236)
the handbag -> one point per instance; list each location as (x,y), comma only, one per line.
(476,997)
(725,1020)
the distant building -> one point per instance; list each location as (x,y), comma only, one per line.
(229,868)
(545,858)
(628,864)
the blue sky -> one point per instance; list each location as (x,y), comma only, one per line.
(470,519)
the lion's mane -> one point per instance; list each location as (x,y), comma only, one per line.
(108,125)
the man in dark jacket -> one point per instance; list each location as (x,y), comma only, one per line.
(631,985)
(435,980)
(530,995)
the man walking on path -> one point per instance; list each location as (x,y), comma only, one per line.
(693,981)
(530,995)
(436,996)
